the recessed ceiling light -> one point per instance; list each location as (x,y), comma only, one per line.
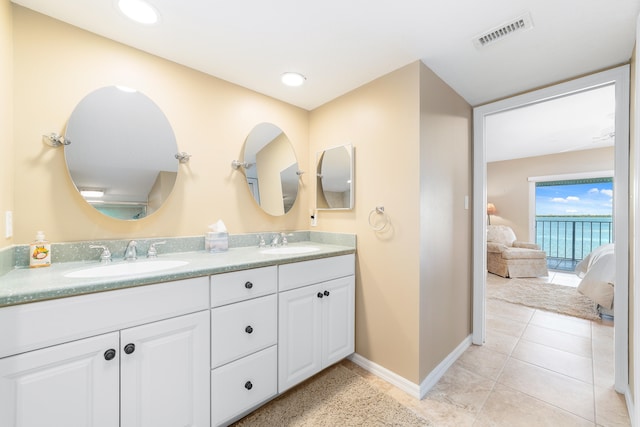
(293,79)
(139,11)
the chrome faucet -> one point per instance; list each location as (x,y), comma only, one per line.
(105,256)
(153,251)
(279,239)
(131,254)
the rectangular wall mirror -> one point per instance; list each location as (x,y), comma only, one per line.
(334,189)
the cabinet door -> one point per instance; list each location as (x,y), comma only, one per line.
(338,320)
(299,339)
(70,385)
(165,376)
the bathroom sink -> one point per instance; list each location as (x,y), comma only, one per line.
(289,250)
(126,268)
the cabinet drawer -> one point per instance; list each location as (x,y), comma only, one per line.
(306,273)
(243,384)
(236,286)
(243,328)
(41,324)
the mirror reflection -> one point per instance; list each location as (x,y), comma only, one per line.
(271,169)
(335,178)
(122,152)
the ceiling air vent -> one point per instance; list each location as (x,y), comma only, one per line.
(519,24)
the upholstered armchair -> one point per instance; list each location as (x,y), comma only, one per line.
(508,257)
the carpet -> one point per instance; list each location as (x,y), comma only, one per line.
(545,296)
(335,397)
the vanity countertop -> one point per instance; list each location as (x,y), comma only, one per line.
(25,285)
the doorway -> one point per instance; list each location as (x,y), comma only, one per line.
(619,77)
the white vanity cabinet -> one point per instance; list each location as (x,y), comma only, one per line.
(244,337)
(65,385)
(132,357)
(316,317)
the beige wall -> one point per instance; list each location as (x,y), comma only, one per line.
(56,65)
(445,224)
(508,185)
(411,136)
(6,117)
(381,120)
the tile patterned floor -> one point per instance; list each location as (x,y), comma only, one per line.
(536,369)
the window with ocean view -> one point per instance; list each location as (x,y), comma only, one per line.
(573,218)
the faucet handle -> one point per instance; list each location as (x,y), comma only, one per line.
(153,251)
(105,256)
(283,239)
(261,242)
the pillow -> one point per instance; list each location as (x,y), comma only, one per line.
(501,234)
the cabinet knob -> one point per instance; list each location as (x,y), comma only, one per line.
(248,329)
(326,293)
(109,354)
(129,348)
(248,285)
(248,385)
(320,295)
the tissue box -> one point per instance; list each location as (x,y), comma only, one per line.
(216,241)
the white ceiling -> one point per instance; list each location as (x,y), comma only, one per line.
(581,121)
(340,45)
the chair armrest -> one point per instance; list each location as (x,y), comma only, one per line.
(525,245)
(495,247)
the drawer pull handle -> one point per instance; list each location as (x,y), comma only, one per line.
(320,295)
(109,354)
(129,348)
(248,329)
(326,293)
(248,385)
(248,285)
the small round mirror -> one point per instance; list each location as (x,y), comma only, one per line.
(121,155)
(271,169)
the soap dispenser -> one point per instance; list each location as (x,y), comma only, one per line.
(40,252)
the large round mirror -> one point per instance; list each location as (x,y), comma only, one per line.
(271,169)
(121,155)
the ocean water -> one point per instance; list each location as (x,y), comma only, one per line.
(572,237)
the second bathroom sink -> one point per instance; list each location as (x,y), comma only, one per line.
(289,250)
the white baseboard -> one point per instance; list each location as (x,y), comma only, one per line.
(434,376)
(415,390)
(390,377)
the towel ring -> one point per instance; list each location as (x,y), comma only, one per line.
(380,211)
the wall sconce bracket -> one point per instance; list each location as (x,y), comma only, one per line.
(55,140)
(183,157)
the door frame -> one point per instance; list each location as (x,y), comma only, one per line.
(620,77)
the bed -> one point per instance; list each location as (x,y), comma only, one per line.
(597,271)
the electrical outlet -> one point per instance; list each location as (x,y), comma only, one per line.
(8,224)
(314,220)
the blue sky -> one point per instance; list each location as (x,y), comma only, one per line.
(575,199)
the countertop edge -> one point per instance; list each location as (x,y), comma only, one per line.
(21,286)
